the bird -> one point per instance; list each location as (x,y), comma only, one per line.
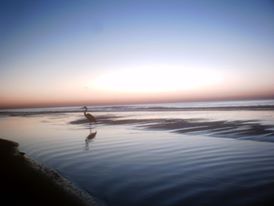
(89,117)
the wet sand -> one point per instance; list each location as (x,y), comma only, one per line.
(237,129)
(24,182)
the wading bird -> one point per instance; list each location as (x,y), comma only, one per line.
(89,117)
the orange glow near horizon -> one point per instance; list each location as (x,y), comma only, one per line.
(122,87)
(143,84)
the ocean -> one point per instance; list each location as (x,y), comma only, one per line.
(195,153)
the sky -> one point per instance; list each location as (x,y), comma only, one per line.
(55,53)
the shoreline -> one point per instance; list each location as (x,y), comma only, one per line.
(24,181)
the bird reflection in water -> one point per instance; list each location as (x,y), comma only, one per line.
(90,138)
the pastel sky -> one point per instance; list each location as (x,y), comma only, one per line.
(97,52)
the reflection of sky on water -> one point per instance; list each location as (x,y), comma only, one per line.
(266,117)
(127,165)
(31,127)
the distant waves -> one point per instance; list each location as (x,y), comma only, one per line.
(225,106)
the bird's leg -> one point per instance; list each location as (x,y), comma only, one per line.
(86,145)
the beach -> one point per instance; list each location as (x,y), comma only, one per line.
(137,103)
(161,155)
(25,182)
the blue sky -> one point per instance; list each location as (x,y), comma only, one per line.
(55,52)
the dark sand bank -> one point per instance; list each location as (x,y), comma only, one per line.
(237,129)
(24,182)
